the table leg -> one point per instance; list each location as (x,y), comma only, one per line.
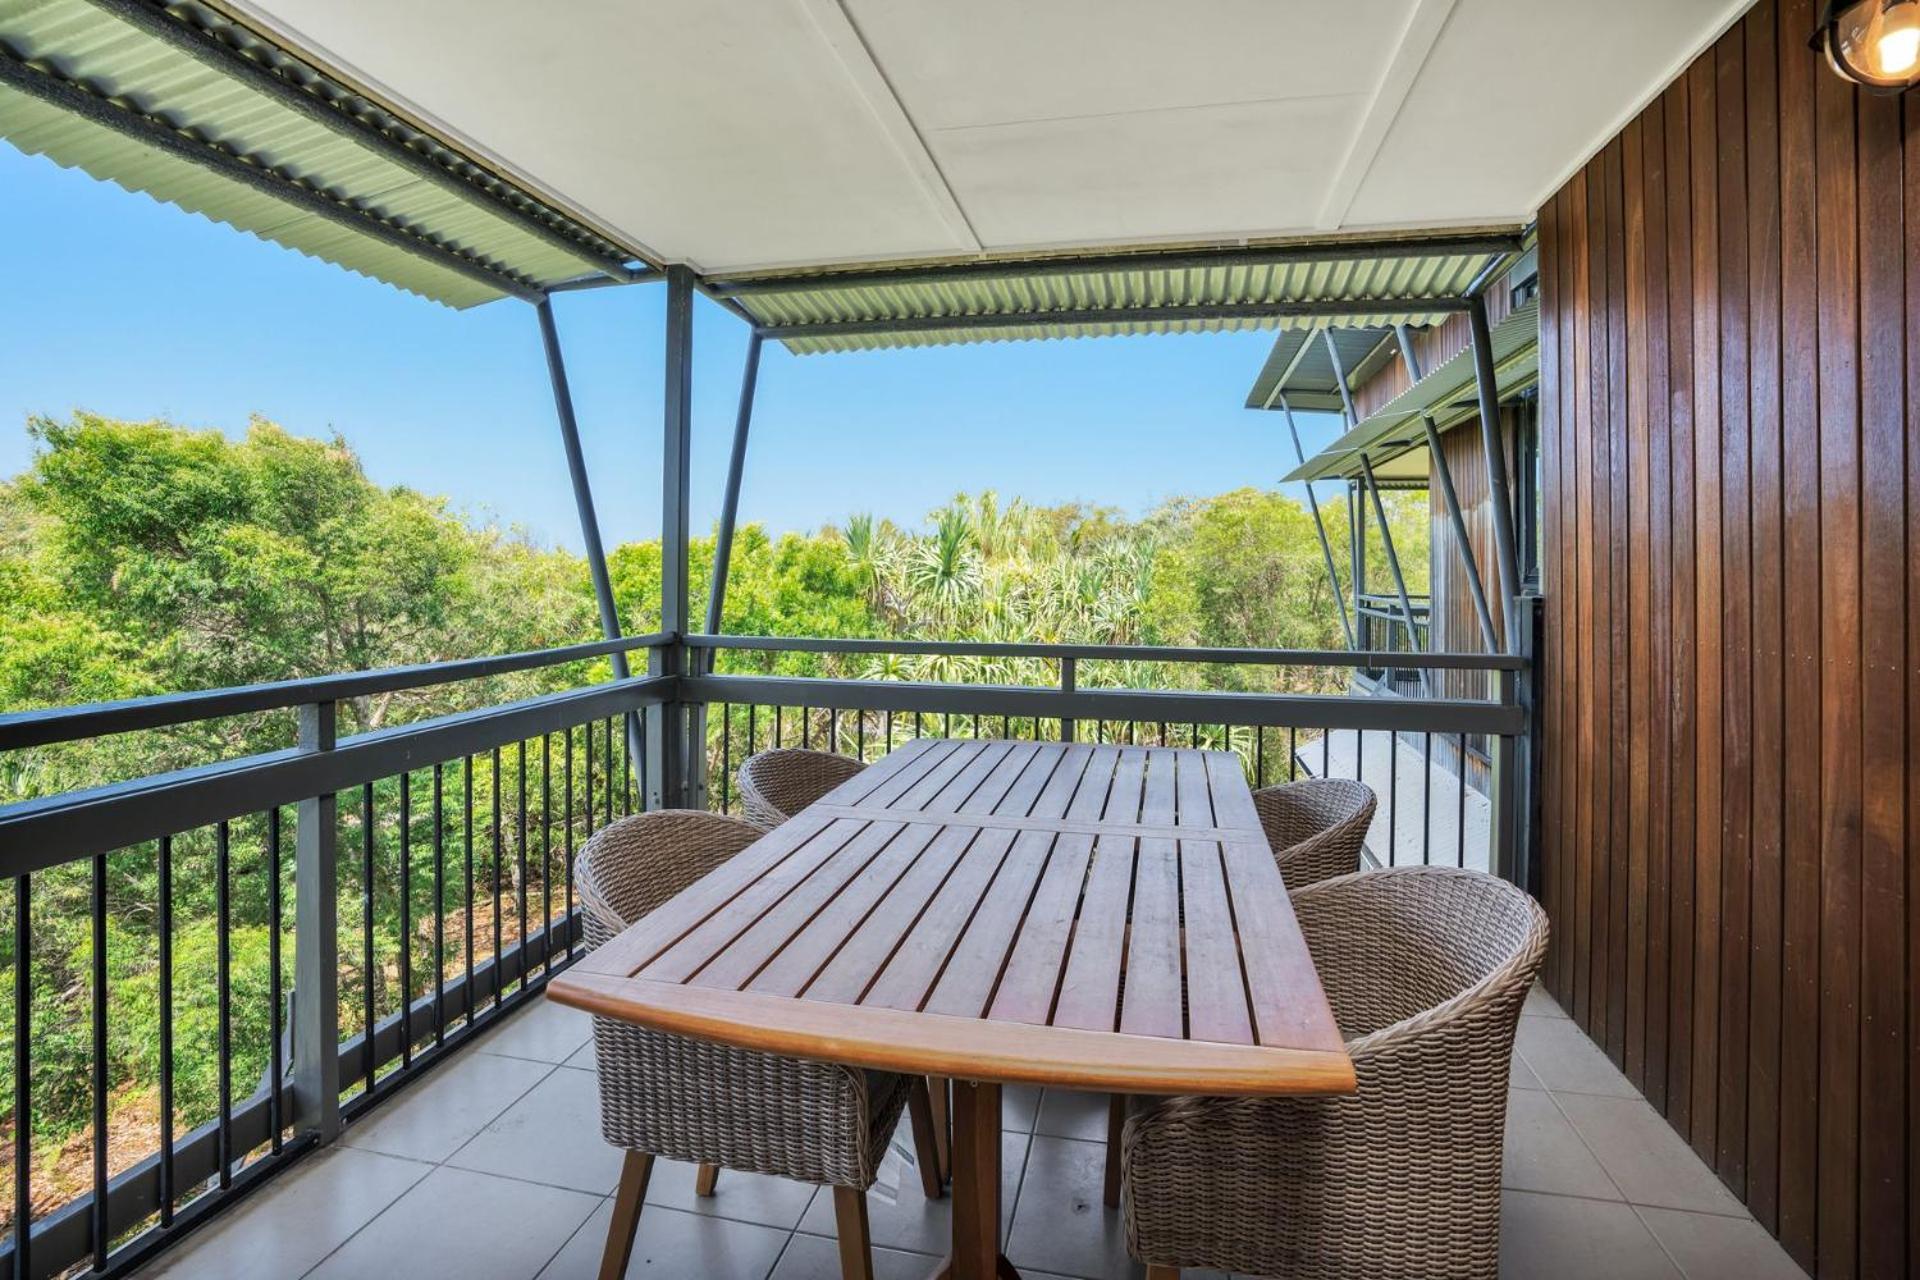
(976,1186)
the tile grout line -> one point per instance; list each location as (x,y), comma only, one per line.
(437,1164)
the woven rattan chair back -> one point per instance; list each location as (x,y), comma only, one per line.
(1426,969)
(631,866)
(1317,826)
(775,785)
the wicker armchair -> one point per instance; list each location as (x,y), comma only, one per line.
(776,784)
(670,1096)
(1316,827)
(1426,969)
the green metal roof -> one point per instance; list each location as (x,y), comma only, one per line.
(1369,284)
(180,102)
(1299,368)
(1447,393)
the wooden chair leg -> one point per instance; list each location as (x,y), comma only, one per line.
(634,1173)
(926,1148)
(1163,1273)
(940,1090)
(703,1180)
(1116,1121)
(850,1223)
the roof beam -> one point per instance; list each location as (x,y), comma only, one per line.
(1116,315)
(1490,243)
(87,101)
(304,90)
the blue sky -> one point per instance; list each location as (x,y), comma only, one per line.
(126,307)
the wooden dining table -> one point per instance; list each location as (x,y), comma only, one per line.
(1096,917)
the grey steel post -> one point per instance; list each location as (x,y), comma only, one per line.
(1393,559)
(1319,527)
(1451,499)
(316,940)
(730,502)
(1496,454)
(1352,418)
(1069,676)
(583,503)
(672,765)
(1504,806)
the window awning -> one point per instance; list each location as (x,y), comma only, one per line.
(1300,369)
(1447,394)
(194,109)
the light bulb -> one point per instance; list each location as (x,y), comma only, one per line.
(1897,48)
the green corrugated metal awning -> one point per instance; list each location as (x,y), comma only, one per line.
(1447,394)
(1368,284)
(1300,369)
(182,103)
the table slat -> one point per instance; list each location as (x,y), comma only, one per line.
(970,978)
(981,759)
(1216,989)
(1152,1005)
(1285,1010)
(867,949)
(999,907)
(760,934)
(808,950)
(1058,793)
(1193,789)
(1033,970)
(1090,988)
(730,919)
(995,790)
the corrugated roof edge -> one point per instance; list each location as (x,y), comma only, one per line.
(1121,257)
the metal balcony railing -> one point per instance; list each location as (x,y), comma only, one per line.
(411,885)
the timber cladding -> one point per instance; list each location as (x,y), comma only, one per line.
(1730,355)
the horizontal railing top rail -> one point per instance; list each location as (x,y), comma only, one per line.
(1120,653)
(41,833)
(99,719)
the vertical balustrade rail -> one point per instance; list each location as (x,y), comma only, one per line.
(430,874)
(269,946)
(1432,808)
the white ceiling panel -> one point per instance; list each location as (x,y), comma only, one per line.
(719,132)
(1516,94)
(747,135)
(987,62)
(1147,175)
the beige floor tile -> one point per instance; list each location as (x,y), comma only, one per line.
(672,1245)
(550,1135)
(1060,1223)
(1520,1075)
(1018,1105)
(747,1197)
(1544,1153)
(900,1217)
(818,1258)
(294,1223)
(458,1223)
(1647,1160)
(1564,1060)
(1709,1247)
(436,1115)
(545,1032)
(1542,1005)
(1563,1238)
(1065,1113)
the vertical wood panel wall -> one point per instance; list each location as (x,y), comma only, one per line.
(1731,380)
